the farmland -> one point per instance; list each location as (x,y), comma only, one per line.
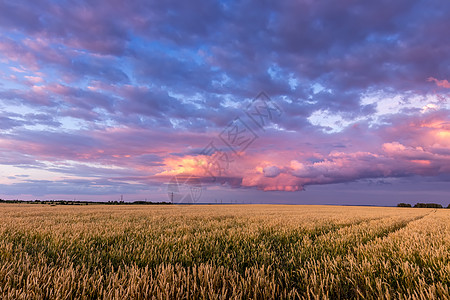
(223,252)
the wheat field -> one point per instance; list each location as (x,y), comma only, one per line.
(223,252)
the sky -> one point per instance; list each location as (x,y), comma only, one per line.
(296,102)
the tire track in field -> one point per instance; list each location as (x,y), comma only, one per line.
(384,233)
(275,240)
(280,243)
(322,248)
(341,247)
(396,227)
(318,232)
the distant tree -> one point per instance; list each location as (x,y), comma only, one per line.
(141,202)
(428,205)
(403,205)
(448,206)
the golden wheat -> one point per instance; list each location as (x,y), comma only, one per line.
(223,252)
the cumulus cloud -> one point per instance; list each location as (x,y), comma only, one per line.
(272,171)
(417,147)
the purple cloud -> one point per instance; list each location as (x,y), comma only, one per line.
(127,91)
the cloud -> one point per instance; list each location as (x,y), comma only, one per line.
(271,171)
(442,83)
(418,146)
(138,89)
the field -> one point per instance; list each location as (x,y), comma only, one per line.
(223,252)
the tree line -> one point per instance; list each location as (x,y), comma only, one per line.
(65,202)
(422,205)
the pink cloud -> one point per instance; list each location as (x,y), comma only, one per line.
(15,51)
(415,146)
(442,83)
